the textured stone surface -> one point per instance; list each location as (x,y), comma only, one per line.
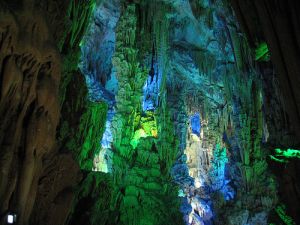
(29,107)
(37,179)
(97,49)
(56,190)
(155,63)
(275,22)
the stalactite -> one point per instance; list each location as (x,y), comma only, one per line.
(181,96)
(143,155)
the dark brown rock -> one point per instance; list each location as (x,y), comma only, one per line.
(30,66)
(55,190)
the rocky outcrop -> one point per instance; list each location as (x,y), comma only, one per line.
(83,122)
(83,119)
(37,175)
(29,107)
(276,23)
(92,203)
(144,145)
(55,191)
(97,49)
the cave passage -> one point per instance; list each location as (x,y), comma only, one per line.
(149,112)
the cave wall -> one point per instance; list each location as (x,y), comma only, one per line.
(30,75)
(134,73)
(218,77)
(212,70)
(277,23)
(40,167)
(194,83)
(143,147)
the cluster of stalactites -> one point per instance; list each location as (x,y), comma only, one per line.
(243,92)
(144,142)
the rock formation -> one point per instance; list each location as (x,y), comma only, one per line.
(149,112)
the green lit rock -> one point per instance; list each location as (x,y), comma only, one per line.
(84,125)
(262,52)
(281,212)
(93,196)
(282,156)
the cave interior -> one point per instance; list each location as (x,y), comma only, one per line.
(149,112)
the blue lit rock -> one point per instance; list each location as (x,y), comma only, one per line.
(151,90)
(203,61)
(97,47)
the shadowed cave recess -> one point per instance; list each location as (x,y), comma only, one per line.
(149,112)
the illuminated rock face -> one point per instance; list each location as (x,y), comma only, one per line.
(149,112)
(198,86)
(151,90)
(207,166)
(97,49)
